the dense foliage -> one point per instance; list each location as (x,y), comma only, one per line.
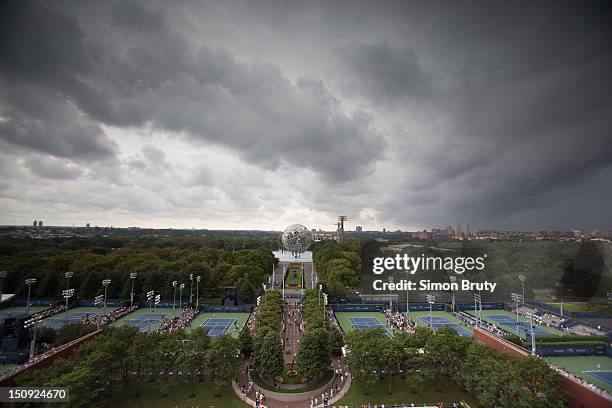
(338,266)
(121,360)
(495,378)
(220,262)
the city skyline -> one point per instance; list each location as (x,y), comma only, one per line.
(255,115)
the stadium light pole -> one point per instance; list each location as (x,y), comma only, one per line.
(67,294)
(431,300)
(68,275)
(181,287)
(150,295)
(133,276)
(407,304)
(522,279)
(29,282)
(319,297)
(453,280)
(480,303)
(284,272)
(174,284)
(157,300)
(99,301)
(33,322)
(517,298)
(198,279)
(3,274)
(560,286)
(324,305)
(477,300)
(191,289)
(105,283)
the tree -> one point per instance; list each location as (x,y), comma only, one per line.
(364,356)
(268,358)
(223,361)
(314,355)
(246,342)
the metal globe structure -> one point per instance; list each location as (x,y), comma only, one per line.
(296,238)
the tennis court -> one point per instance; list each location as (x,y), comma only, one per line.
(74,316)
(236,320)
(507,321)
(596,370)
(145,321)
(350,321)
(440,319)
(216,327)
(437,322)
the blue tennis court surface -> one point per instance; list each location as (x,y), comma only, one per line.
(438,322)
(511,322)
(603,376)
(145,321)
(217,326)
(59,320)
(361,323)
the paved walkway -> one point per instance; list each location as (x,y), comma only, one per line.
(291,332)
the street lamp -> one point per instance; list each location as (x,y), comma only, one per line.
(560,286)
(105,283)
(198,279)
(320,289)
(3,275)
(133,276)
(431,299)
(522,279)
(181,287)
(150,295)
(67,294)
(516,298)
(33,322)
(174,283)
(453,280)
(29,282)
(68,275)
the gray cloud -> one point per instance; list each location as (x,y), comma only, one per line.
(399,114)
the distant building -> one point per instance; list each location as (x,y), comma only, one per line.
(457,231)
(35,224)
(384,230)
(467,231)
(87,225)
(358,228)
(40,224)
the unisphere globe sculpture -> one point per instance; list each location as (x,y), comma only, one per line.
(296,238)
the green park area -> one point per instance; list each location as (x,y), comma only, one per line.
(378,393)
(587,369)
(347,326)
(294,276)
(137,315)
(241,319)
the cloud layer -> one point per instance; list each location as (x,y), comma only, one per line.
(231,114)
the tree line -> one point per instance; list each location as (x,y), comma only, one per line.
(120,360)
(338,266)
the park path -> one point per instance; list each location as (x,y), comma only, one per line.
(291,331)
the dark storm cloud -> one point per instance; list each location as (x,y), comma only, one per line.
(425,114)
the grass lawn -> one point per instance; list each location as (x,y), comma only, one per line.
(347,327)
(294,279)
(178,397)
(512,329)
(306,388)
(241,319)
(168,312)
(579,364)
(450,392)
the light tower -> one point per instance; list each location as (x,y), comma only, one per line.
(133,276)
(29,282)
(340,224)
(105,283)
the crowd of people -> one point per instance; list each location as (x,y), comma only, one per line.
(49,312)
(110,317)
(179,322)
(250,324)
(399,321)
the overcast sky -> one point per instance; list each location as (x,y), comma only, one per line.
(257,114)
